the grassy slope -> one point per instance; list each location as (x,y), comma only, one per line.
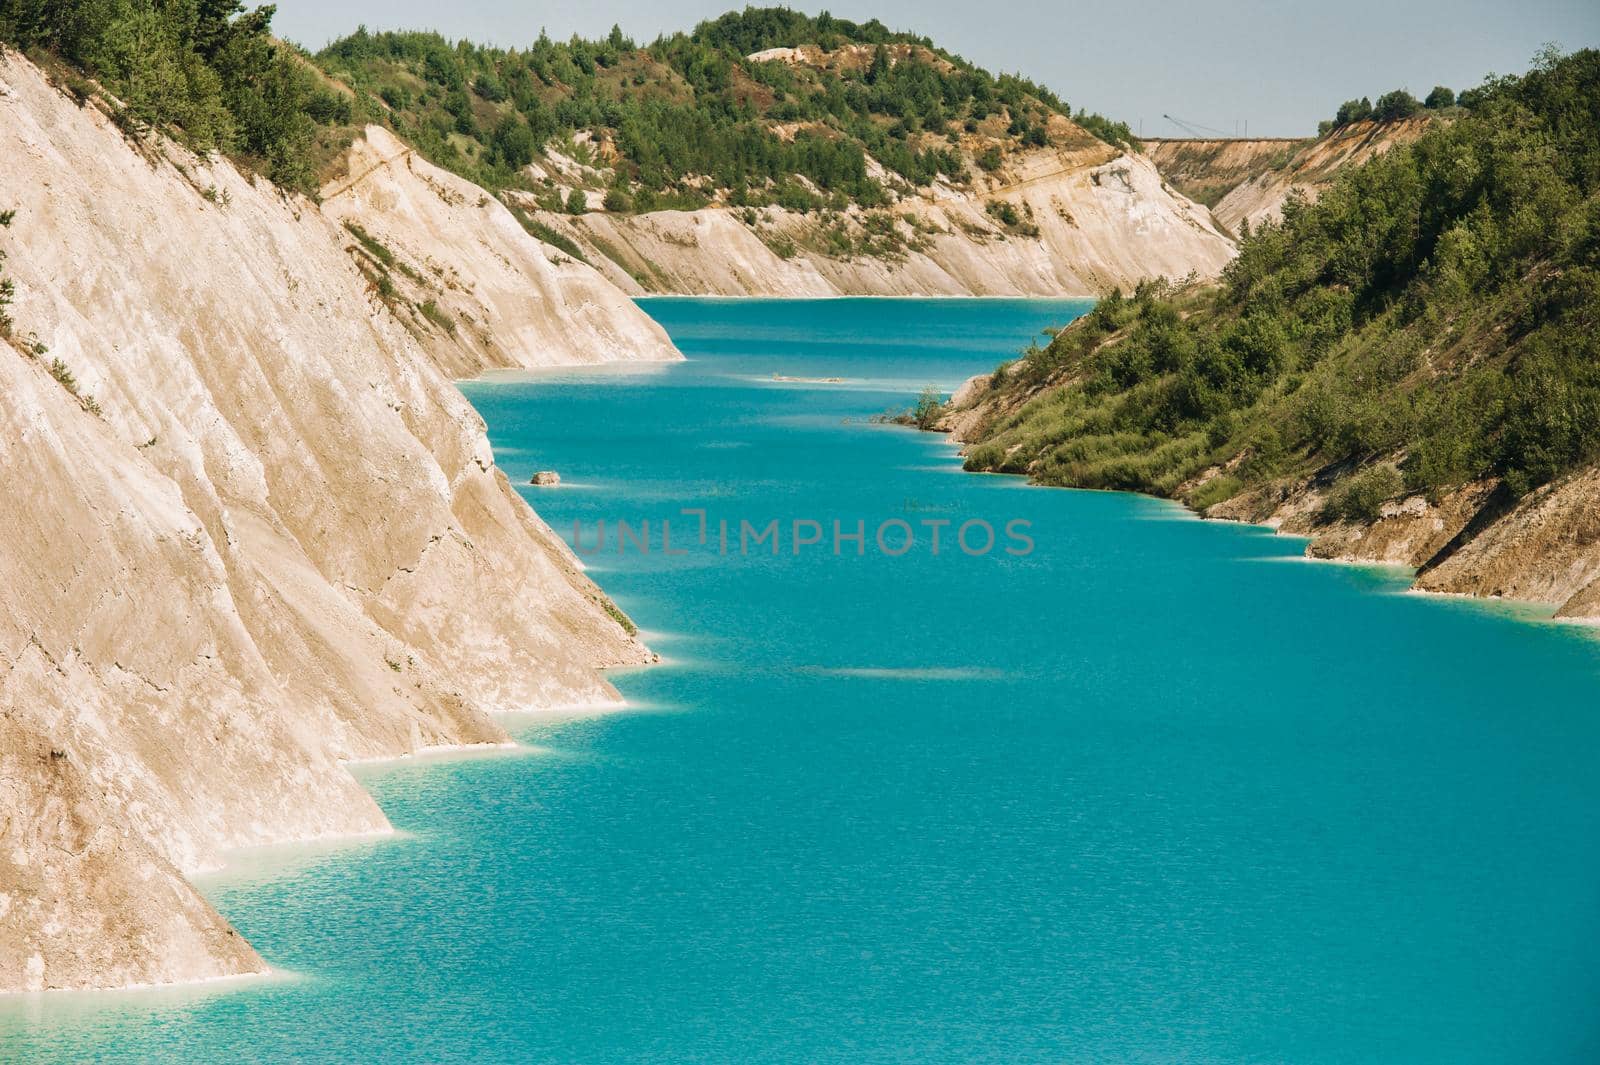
(1433,320)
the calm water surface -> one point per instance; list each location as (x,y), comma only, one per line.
(1156,792)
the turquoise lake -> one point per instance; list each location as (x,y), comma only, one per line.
(1157,791)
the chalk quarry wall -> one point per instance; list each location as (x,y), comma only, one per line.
(260,535)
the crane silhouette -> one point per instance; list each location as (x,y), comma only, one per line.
(1194,129)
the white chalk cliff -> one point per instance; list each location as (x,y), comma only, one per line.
(261,533)
(459,248)
(1090,218)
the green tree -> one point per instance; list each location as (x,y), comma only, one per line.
(206,71)
(512,142)
(577,202)
(489,87)
(930,407)
(879,70)
(1353,111)
(1393,106)
(1440,98)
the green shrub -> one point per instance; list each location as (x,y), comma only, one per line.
(545,233)
(431,311)
(1353,111)
(1115,133)
(619,617)
(7,288)
(512,143)
(1003,211)
(63,375)
(371,244)
(1393,106)
(1360,497)
(1214,491)
(929,408)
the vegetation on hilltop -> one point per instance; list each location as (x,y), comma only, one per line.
(1395,105)
(690,113)
(206,71)
(685,117)
(1433,317)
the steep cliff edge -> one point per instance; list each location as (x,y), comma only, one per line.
(248,530)
(463,269)
(1076,221)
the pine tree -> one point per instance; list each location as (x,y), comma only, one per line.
(880,65)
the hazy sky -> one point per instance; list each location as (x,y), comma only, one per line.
(1279,65)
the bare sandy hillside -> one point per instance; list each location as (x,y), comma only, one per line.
(1207,170)
(1048,222)
(248,528)
(1271,176)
